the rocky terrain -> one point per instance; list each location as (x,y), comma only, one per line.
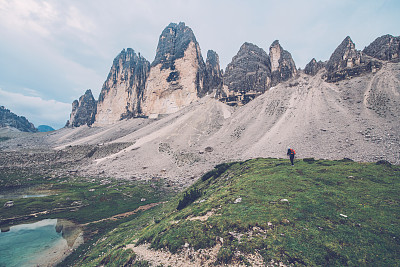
(347,107)
(356,119)
(313,67)
(9,119)
(386,47)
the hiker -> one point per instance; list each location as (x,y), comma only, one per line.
(291,153)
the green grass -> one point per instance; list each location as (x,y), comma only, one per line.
(97,200)
(337,213)
(308,229)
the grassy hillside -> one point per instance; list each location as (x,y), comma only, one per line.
(319,212)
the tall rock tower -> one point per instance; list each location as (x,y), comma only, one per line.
(177,73)
(282,64)
(83,111)
(122,92)
(213,78)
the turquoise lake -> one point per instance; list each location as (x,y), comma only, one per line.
(31,244)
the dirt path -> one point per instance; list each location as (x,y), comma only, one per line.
(187,257)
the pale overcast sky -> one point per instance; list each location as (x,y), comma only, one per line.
(52,51)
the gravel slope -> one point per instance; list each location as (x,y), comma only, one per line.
(356,118)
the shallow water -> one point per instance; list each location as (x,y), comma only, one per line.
(33,244)
(23,192)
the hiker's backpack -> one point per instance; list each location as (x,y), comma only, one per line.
(292,152)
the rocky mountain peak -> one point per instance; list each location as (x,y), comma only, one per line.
(9,119)
(313,67)
(122,92)
(212,58)
(246,76)
(347,62)
(172,44)
(249,70)
(178,73)
(83,111)
(344,56)
(282,64)
(386,47)
(275,51)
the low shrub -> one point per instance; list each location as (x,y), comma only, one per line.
(224,255)
(383,162)
(188,198)
(309,160)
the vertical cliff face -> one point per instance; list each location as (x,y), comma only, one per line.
(177,73)
(386,47)
(83,111)
(122,92)
(213,77)
(282,64)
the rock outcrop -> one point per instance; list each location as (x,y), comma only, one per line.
(344,56)
(347,62)
(213,77)
(83,111)
(177,73)
(386,47)
(248,75)
(122,92)
(179,76)
(282,64)
(313,67)
(252,72)
(9,119)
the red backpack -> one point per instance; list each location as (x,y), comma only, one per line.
(292,151)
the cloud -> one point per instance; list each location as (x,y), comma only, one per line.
(60,48)
(35,109)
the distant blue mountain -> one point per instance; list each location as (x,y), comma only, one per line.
(45,128)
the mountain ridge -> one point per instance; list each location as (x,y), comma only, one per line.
(10,119)
(178,75)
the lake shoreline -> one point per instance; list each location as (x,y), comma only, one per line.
(43,243)
(56,254)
